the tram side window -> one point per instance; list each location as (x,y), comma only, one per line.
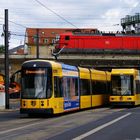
(58,87)
(84,87)
(70,87)
(138,87)
(99,87)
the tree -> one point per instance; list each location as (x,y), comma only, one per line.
(2,49)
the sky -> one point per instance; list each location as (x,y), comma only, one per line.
(104,15)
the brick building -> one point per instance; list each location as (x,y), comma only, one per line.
(47,38)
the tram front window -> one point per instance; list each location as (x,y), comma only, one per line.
(36,83)
(122,85)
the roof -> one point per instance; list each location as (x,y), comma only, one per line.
(17,50)
(123,71)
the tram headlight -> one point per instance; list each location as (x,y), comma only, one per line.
(24,103)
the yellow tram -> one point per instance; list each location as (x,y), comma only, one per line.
(125,87)
(52,87)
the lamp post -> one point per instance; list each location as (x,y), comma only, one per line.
(37,43)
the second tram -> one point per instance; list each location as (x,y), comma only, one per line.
(125,87)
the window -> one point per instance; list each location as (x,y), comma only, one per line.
(67,37)
(65,87)
(69,87)
(58,87)
(57,37)
(99,87)
(85,86)
(122,85)
(45,40)
(35,39)
(36,83)
(53,41)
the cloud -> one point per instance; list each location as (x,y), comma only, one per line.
(102,14)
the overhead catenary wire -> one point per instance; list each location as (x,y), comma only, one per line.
(56,14)
(15,23)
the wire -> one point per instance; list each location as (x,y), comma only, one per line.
(18,24)
(55,13)
(15,23)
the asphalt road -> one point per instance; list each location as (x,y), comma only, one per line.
(122,125)
(98,124)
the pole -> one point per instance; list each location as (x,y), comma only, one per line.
(6,36)
(37,43)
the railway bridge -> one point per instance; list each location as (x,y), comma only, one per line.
(86,60)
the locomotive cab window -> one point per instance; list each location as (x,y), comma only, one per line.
(67,37)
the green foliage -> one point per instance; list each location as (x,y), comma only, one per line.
(2,48)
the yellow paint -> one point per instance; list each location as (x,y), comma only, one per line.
(100,75)
(85,102)
(137,97)
(124,71)
(56,103)
(98,100)
(122,98)
(84,73)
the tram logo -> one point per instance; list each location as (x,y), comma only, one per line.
(121,98)
(33,103)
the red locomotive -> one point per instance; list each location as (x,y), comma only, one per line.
(98,43)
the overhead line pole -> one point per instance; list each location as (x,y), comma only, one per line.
(37,43)
(6,39)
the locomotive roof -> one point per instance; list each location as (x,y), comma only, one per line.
(99,34)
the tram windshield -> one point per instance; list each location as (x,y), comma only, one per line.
(122,85)
(36,83)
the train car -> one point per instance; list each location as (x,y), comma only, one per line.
(98,43)
(85,88)
(125,87)
(101,87)
(51,87)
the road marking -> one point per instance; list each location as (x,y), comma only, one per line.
(22,127)
(100,127)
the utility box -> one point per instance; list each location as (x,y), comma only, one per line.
(2,100)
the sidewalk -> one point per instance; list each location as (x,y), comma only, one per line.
(14,105)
